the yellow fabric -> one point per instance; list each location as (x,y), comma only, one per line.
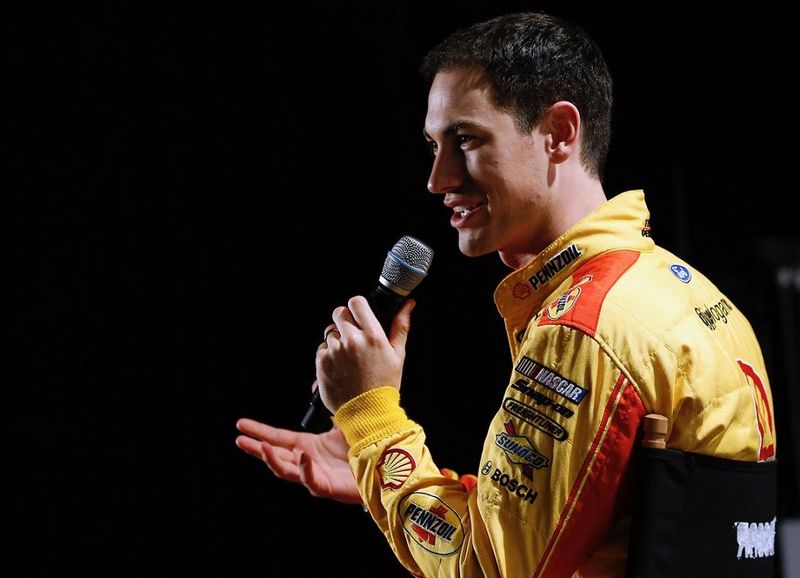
(603,327)
(371,416)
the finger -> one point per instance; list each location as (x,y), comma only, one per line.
(329,330)
(282,467)
(278,453)
(253,448)
(263,432)
(252,427)
(362,315)
(343,318)
(250,446)
(401,325)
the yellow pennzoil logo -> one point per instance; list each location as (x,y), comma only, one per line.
(431,523)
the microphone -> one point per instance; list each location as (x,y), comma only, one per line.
(405,267)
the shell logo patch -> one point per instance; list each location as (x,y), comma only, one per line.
(431,523)
(521,291)
(394,468)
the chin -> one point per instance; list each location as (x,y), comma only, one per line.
(473,247)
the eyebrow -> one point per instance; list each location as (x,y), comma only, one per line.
(452,127)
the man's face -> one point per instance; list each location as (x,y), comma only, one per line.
(492,176)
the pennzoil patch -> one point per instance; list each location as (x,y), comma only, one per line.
(431,523)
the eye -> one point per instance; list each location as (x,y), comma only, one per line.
(464,140)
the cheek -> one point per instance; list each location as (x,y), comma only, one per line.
(485,168)
(525,173)
(513,169)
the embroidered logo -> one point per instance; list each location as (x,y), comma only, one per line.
(536,418)
(514,487)
(520,451)
(717,312)
(563,304)
(551,380)
(431,523)
(681,272)
(523,386)
(554,265)
(394,468)
(521,291)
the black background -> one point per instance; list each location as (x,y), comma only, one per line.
(191,188)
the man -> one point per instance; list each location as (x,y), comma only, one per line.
(604,327)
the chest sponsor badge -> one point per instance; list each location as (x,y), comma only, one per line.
(551,380)
(520,450)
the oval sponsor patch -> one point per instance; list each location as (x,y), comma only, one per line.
(563,304)
(535,418)
(431,523)
(681,272)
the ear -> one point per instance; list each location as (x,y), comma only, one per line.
(562,125)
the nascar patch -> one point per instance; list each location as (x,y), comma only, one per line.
(551,380)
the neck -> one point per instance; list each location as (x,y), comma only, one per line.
(573,199)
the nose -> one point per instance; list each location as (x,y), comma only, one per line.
(447,172)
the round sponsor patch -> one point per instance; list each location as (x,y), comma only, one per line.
(394,468)
(431,523)
(564,303)
(681,272)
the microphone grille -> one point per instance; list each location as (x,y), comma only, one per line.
(406,264)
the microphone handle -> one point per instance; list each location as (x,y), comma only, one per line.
(384,304)
(316,418)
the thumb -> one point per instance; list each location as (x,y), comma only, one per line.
(401,325)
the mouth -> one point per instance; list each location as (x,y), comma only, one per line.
(462,214)
(466,211)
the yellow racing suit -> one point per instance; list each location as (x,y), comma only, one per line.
(604,327)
